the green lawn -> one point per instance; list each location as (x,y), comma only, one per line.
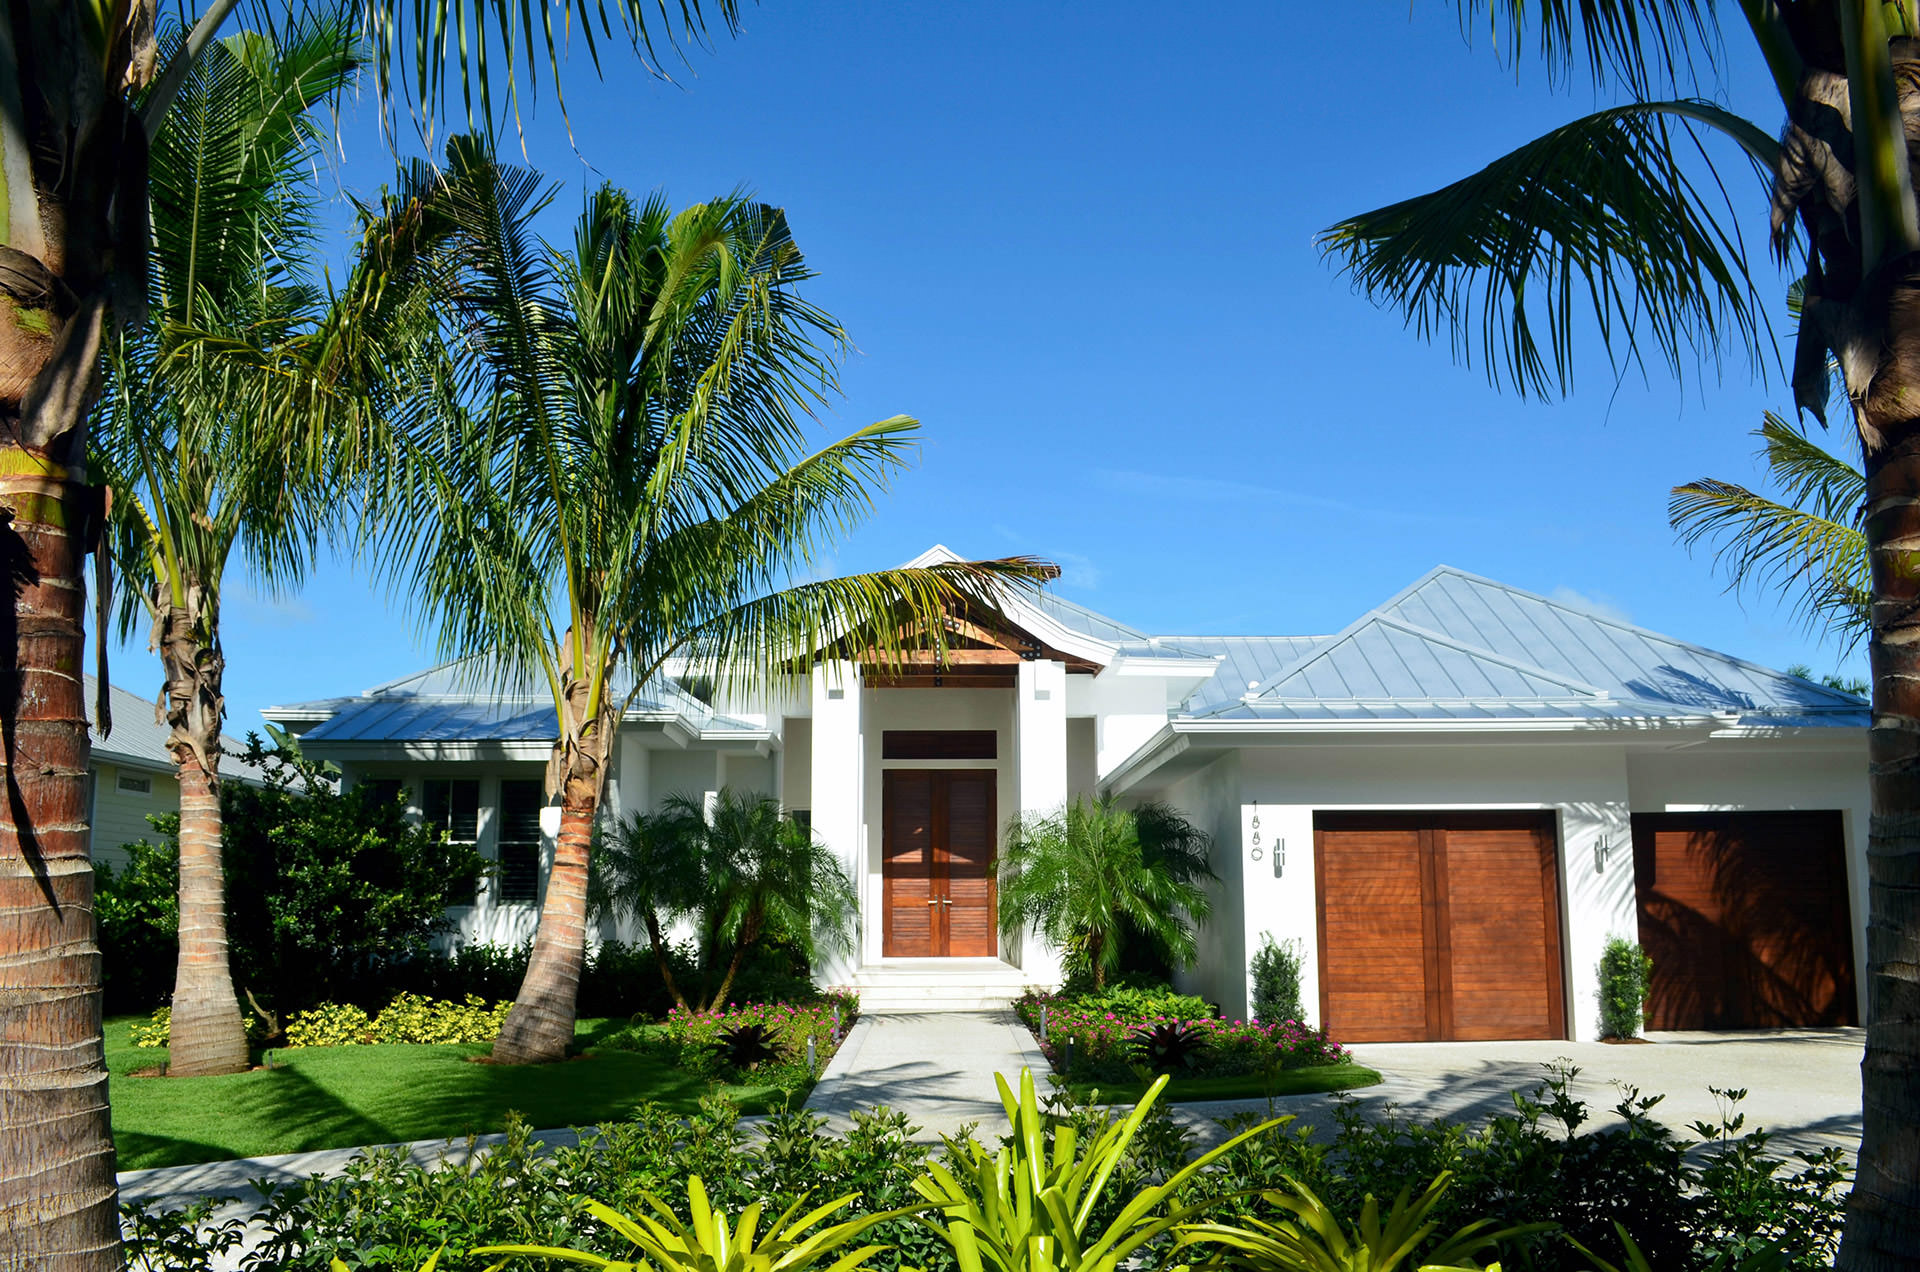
(1251,1086)
(337,1097)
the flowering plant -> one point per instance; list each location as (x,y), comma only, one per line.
(1105,1043)
(696,1037)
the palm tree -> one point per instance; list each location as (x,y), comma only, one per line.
(763,873)
(1628,212)
(1808,542)
(1084,878)
(216,433)
(610,476)
(649,866)
(84,88)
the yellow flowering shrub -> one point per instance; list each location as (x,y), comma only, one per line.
(156,1031)
(408,1018)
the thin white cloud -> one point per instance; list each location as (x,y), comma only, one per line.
(1214,490)
(1076,570)
(1599,606)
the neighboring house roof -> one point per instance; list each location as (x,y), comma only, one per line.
(468,701)
(1457,646)
(137,741)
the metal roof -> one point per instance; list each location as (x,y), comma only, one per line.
(473,700)
(1458,646)
(139,741)
(1247,663)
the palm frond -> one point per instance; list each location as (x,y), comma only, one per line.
(1630,40)
(1807,545)
(1597,218)
(423,51)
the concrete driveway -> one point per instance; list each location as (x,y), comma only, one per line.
(1802,1084)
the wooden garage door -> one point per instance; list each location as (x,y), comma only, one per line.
(1746,918)
(1438,926)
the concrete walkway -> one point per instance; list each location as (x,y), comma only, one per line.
(1803,1085)
(936,1067)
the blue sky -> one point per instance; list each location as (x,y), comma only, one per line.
(1077,242)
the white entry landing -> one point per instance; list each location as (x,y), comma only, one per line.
(939,984)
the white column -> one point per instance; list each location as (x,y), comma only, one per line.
(1040,759)
(839,797)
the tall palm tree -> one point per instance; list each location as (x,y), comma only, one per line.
(1084,879)
(1807,542)
(1628,216)
(610,476)
(217,430)
(84,87)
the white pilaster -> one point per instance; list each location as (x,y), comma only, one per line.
(1040,760)
(838,797)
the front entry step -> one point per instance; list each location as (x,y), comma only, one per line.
(940,984)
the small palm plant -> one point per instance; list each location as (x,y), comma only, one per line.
(1084,879)
(1029,1207)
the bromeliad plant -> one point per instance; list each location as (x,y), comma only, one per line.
(704,1242)
(1031,1206)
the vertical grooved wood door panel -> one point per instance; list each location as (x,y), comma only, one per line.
(1438,926)
(906,864)
(1746,918)
(968,858)
(1501,902)
(938,831)
(1373,948)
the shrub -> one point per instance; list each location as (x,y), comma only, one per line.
(407,1019)
(1104,1041)
(1536,1165)
(1170,1046)
(1626,978)
(1276,980)
(698,1040)
(327,893)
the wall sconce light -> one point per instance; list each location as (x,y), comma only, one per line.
(1600,850)
(1279,858)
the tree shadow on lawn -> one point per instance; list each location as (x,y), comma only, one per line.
(344,1097)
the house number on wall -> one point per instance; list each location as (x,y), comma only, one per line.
(1257,852)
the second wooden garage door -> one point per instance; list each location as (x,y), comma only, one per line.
(1437,926)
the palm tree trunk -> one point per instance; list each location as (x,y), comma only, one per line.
(749,933)
(68,147)
(654,935)
(1883,1214)
(539,1029)
(207,1034)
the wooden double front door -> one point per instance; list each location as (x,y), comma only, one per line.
(937,863)
(1437,926)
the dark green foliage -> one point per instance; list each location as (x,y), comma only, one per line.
(1536,1165)
(1626,977)
(1171,1046)
(328,894)
(616,980)
(139,910)
(745,1046)
(1276,980)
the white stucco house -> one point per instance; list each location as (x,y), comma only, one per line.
(1451,803)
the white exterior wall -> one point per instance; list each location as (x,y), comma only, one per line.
(1592,788)
(837,795)
(1040,737)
